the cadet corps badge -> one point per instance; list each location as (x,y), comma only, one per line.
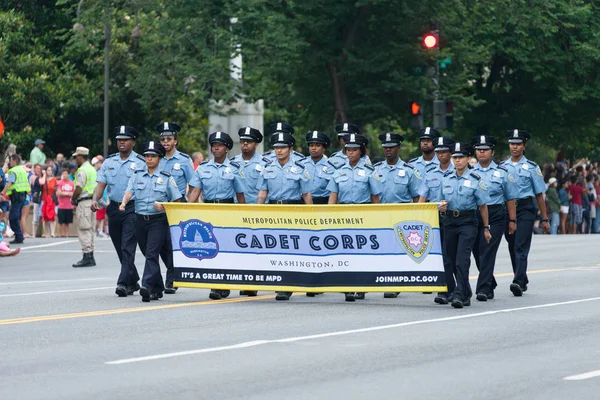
(197,239)
(416,237)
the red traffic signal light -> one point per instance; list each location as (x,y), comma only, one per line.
(415,108)
(430,41)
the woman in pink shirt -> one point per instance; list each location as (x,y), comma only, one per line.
(64,191)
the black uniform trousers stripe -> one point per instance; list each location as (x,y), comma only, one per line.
(519,242)
(152,237)
(121,228)
(460,234)
(485,253)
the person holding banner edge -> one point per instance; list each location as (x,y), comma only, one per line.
(462,192)
(354,182)
(152,187)
(218,180)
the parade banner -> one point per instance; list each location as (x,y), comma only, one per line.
(291,248)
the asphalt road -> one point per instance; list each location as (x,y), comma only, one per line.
(64,334)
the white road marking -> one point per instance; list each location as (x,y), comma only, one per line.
(341,333)
(39,246)
(581,377)
(56,291)
(55,280)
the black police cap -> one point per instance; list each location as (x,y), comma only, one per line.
(390,139)
(483,142)
(153,147)
(517,136)
(221,137)
(354,140)
(346,128)
(126,132)
(443,143)
(281,127)
(318,137)
(168,129)
(461,149)
(429,133)
(282,139)
(249,133)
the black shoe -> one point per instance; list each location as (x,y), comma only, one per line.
(350,296)
(390,295)
(359,296)
(86,261)
(310,294)
(516,289)
(92,259)
(282,296)
(170,290)
(215,294)
(457,303)
(145,293)
(490,296)
(225,293)
(156,296)
(481,297)
(427,292)
(467,302)
(441,298)
(132,289)
(524,288)
(16,241)
(121,291)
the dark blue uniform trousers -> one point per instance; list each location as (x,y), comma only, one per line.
(121,227)
(485,253)
(152,234)
(166,254)
(460,234)
(17,201)
(519,242)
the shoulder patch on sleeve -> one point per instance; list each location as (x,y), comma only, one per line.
(474,175)
(369,167)
(165,173)
(235,164)
(141,157)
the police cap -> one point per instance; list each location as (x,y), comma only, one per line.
(346,128)
(126,132)
(168,129)
(355,140)
(483,142)
(281,127)
(220,137)
(461,149)
(429,133)
(282,139)
(153,147)
(517,136)
(391,139)
(318,137)
(443,143)
(248,133)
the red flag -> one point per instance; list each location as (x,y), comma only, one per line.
(1,127)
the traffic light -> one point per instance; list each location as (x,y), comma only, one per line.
(415,108)
(416,115)
(430,41)
(439,114)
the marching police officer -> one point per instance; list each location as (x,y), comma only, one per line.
(218,181)
(317,166)
(114,175)
(85,183)
(178,164)
(339,158)
(152,187)
(284,181)
(250,161)
(282,127)
(530,184)
(427,140)
(502,192)
(398,181)
(354,182)
(16,189)
(462,192)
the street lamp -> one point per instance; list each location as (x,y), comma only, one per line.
(136,33)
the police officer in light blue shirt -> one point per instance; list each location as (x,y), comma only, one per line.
(178,164)
(282,127)
(152,187)
(502,191)
(339,158)
(114,175)
(530,184)
(250,161)
(434,173)
(319,169)
(427,140)
(463,191)
(355,182)
(218,179)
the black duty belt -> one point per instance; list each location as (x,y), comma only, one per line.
(273,201)
(151,216)
(366,202)
(495,206)
(229,200)
(458,213)
(524,201)
(320,200)
(118,203)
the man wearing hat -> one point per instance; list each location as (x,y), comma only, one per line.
(398,181)
(178,164)
(114,175)
(85,183)
(502,191)
(250,161)
(282,127)
(530,184)
(427,140)
(318,168)
(37,156)
(17,189)
(339,157)
(462,192)
(152,186)
(218,181)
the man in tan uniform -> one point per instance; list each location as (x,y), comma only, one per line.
(85,183)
